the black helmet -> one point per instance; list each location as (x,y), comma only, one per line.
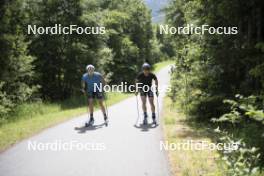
(145,66)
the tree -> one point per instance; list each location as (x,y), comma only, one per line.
(222,65)
(16,67)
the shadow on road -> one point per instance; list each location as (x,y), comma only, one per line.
(146,128)
(83,129)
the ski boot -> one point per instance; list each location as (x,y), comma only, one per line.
(154,121)
(90,122)
(106,120)
(145,121)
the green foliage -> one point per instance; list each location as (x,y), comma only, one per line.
(16,75)
(211,69)
(245,160)
(49,67)
(129,38)
(216,67)
(61,59)
(243,107)
(240,160)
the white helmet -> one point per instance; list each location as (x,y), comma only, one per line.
(146,66)
(90,68)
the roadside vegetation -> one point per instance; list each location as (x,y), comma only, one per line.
(218,80)
(179,129)
(31,118)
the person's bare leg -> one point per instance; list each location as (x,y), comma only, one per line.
(144,107)
(151,102)
(91,107)
(101,103)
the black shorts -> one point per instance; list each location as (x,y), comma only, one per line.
(148,93)
(93,95)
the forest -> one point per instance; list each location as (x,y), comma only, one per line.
(217,80)
(49,67)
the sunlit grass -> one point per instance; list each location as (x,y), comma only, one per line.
(188,162)
(31,118)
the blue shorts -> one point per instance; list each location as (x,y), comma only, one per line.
(93,95)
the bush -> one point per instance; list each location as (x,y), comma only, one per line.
(248,120)
(240,160)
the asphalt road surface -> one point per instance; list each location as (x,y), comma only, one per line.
(69,149)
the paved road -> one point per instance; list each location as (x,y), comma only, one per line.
(121,149)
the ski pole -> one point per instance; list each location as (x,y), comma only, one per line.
(137,111)
(86,100)
(106,105)
(87,103)
(158,109)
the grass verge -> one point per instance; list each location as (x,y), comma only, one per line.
(29,119)
(179,130)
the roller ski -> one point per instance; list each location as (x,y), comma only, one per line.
(89,123)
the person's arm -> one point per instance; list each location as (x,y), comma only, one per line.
(83,85)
